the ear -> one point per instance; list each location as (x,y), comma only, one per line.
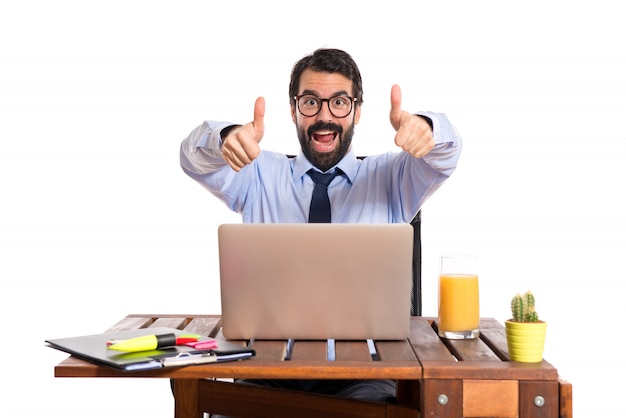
(293,113)
(357,114)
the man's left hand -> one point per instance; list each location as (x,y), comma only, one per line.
(413,133)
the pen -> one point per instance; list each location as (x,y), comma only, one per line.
(185,359)
(150,342)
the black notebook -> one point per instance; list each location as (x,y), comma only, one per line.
(94,348)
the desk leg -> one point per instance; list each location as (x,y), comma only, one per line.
(441,398)
(565,399)
(408,393)
(186,398)
(538,399)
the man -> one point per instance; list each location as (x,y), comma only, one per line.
(326,95)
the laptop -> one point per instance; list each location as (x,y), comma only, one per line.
(315,281)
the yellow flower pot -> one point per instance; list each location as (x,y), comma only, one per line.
(525,340)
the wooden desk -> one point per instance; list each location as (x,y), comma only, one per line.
(440,378)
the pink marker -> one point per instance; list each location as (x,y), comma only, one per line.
(202,345)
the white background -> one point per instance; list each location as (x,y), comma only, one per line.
(98,220)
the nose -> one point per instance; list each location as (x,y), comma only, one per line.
(324,113)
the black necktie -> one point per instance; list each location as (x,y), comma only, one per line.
(320,204)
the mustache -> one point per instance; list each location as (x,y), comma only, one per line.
(324,126)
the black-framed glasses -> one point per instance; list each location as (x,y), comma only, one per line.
(340,106)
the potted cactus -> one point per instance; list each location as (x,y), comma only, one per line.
(525,332)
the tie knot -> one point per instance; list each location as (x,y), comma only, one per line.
(323,178)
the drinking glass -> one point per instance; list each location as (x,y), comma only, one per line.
(459,316)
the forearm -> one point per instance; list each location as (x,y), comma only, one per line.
(200,152)
(448,144)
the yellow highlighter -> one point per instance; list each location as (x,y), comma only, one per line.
(147,342)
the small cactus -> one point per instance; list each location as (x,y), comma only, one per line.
(523,308)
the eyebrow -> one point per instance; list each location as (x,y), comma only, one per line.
(337,93)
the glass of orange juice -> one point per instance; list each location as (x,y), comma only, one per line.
(459,316)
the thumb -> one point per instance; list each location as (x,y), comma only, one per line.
(396,106)
(258,122)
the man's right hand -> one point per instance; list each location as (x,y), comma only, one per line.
(241,145)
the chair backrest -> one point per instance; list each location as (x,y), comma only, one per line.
(416,292)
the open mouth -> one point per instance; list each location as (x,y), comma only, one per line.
(324,140)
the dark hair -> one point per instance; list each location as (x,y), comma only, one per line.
(328,61)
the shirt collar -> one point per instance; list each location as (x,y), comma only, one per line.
(348,164)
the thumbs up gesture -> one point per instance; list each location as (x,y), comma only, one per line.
(241,145)
(413,133)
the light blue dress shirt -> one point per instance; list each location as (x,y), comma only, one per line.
(385,188)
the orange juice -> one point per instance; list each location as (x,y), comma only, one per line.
(458,305)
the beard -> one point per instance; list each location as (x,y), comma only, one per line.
(325,160)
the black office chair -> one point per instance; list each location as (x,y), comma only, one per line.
(416,292)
